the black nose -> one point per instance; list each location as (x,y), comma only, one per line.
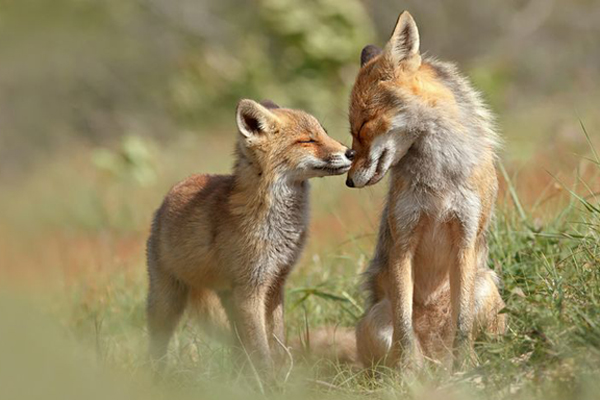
(349,182)
(350,154)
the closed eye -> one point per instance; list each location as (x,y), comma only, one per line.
(307,141)
(358,136)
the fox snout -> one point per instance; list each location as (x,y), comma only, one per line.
(337,163)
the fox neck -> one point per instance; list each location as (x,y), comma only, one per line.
(439,159)
(451,140)
(261,193)
(443,154)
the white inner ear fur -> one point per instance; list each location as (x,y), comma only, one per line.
(405,42)
(261,114)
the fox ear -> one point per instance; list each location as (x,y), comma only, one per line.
(404,43)
(368,53)
(269,104)
(253,118)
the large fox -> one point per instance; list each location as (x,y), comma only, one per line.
(428,283)
(232,240)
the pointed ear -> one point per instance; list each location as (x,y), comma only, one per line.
(253,119)
(368,53)
(404,43)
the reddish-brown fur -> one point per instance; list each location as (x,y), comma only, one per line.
(429,284)
(228,243)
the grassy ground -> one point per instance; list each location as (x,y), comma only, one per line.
(73,286)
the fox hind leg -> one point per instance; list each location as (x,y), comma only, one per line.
(167,299)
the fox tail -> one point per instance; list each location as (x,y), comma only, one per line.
(329,342)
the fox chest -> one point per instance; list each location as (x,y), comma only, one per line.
(435,253)
(274,247)
(436,225)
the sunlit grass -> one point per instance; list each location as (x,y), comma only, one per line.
(77,252)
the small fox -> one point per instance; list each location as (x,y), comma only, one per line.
(428,283)
(232,240)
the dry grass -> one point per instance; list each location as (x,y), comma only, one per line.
(72,245)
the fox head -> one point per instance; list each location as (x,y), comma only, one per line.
(288,142)
(394,96)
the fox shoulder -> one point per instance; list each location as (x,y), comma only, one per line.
(193,191)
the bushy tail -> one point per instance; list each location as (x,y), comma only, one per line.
(329,342)
(488,303)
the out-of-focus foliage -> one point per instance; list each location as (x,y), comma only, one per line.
(92,71)
(81,69)
(76,70)
(297,53)
(132,162)
(104,105)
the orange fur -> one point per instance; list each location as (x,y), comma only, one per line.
(228,243)
(428,282)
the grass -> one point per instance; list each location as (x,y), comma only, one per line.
(82,334)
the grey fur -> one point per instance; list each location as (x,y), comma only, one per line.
(440,149)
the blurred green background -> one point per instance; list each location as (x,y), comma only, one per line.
(90,72)
(105,104)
